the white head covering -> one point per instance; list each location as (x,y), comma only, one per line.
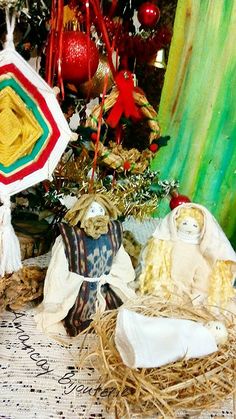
(214,244)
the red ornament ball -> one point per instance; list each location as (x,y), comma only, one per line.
(153,147)
(178,200)
(148,14)
(79,53)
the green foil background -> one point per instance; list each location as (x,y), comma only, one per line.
(198,108)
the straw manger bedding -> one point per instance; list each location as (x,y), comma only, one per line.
(49,385)
(196,384)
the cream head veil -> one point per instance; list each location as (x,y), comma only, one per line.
(214,244)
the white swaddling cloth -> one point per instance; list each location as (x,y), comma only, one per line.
(148,342)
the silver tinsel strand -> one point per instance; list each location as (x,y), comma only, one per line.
(168,185)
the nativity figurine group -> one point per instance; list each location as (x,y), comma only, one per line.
(90,270)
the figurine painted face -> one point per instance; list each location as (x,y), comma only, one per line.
(219,331)
(189,225)
(95,210)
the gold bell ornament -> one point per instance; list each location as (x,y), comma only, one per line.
(158,59)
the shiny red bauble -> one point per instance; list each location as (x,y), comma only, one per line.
(148,14)
(79,57)
(153,147)
(178,200)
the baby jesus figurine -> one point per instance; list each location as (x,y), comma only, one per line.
(189,254)
(89,268)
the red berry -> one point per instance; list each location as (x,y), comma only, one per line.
(153,147)
(178,200)
(127,165)
(94,137)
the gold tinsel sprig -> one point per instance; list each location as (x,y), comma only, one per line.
(132,195)
(135,196)
(11,4)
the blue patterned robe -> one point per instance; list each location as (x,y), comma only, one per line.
(91,258)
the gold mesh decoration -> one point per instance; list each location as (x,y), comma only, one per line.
(19,129)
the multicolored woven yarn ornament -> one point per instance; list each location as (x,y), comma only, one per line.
(33,135)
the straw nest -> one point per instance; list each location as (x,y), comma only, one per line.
(114,155)
(194,385)
(140,99)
